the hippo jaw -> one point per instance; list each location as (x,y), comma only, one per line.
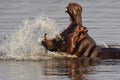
(74,10)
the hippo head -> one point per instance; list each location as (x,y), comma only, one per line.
(74,10)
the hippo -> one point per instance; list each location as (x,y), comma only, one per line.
(75,39)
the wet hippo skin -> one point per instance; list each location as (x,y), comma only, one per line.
(76,41)
(109,53)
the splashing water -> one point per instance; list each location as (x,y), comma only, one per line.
(25,42)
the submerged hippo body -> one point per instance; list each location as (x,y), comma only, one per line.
(75,40)
(109,53)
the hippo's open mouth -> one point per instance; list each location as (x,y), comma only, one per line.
(68,12)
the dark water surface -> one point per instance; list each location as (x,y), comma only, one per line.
(102,17)
(60,69)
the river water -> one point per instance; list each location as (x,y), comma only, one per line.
(23,24)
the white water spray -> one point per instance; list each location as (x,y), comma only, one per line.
(24,43)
